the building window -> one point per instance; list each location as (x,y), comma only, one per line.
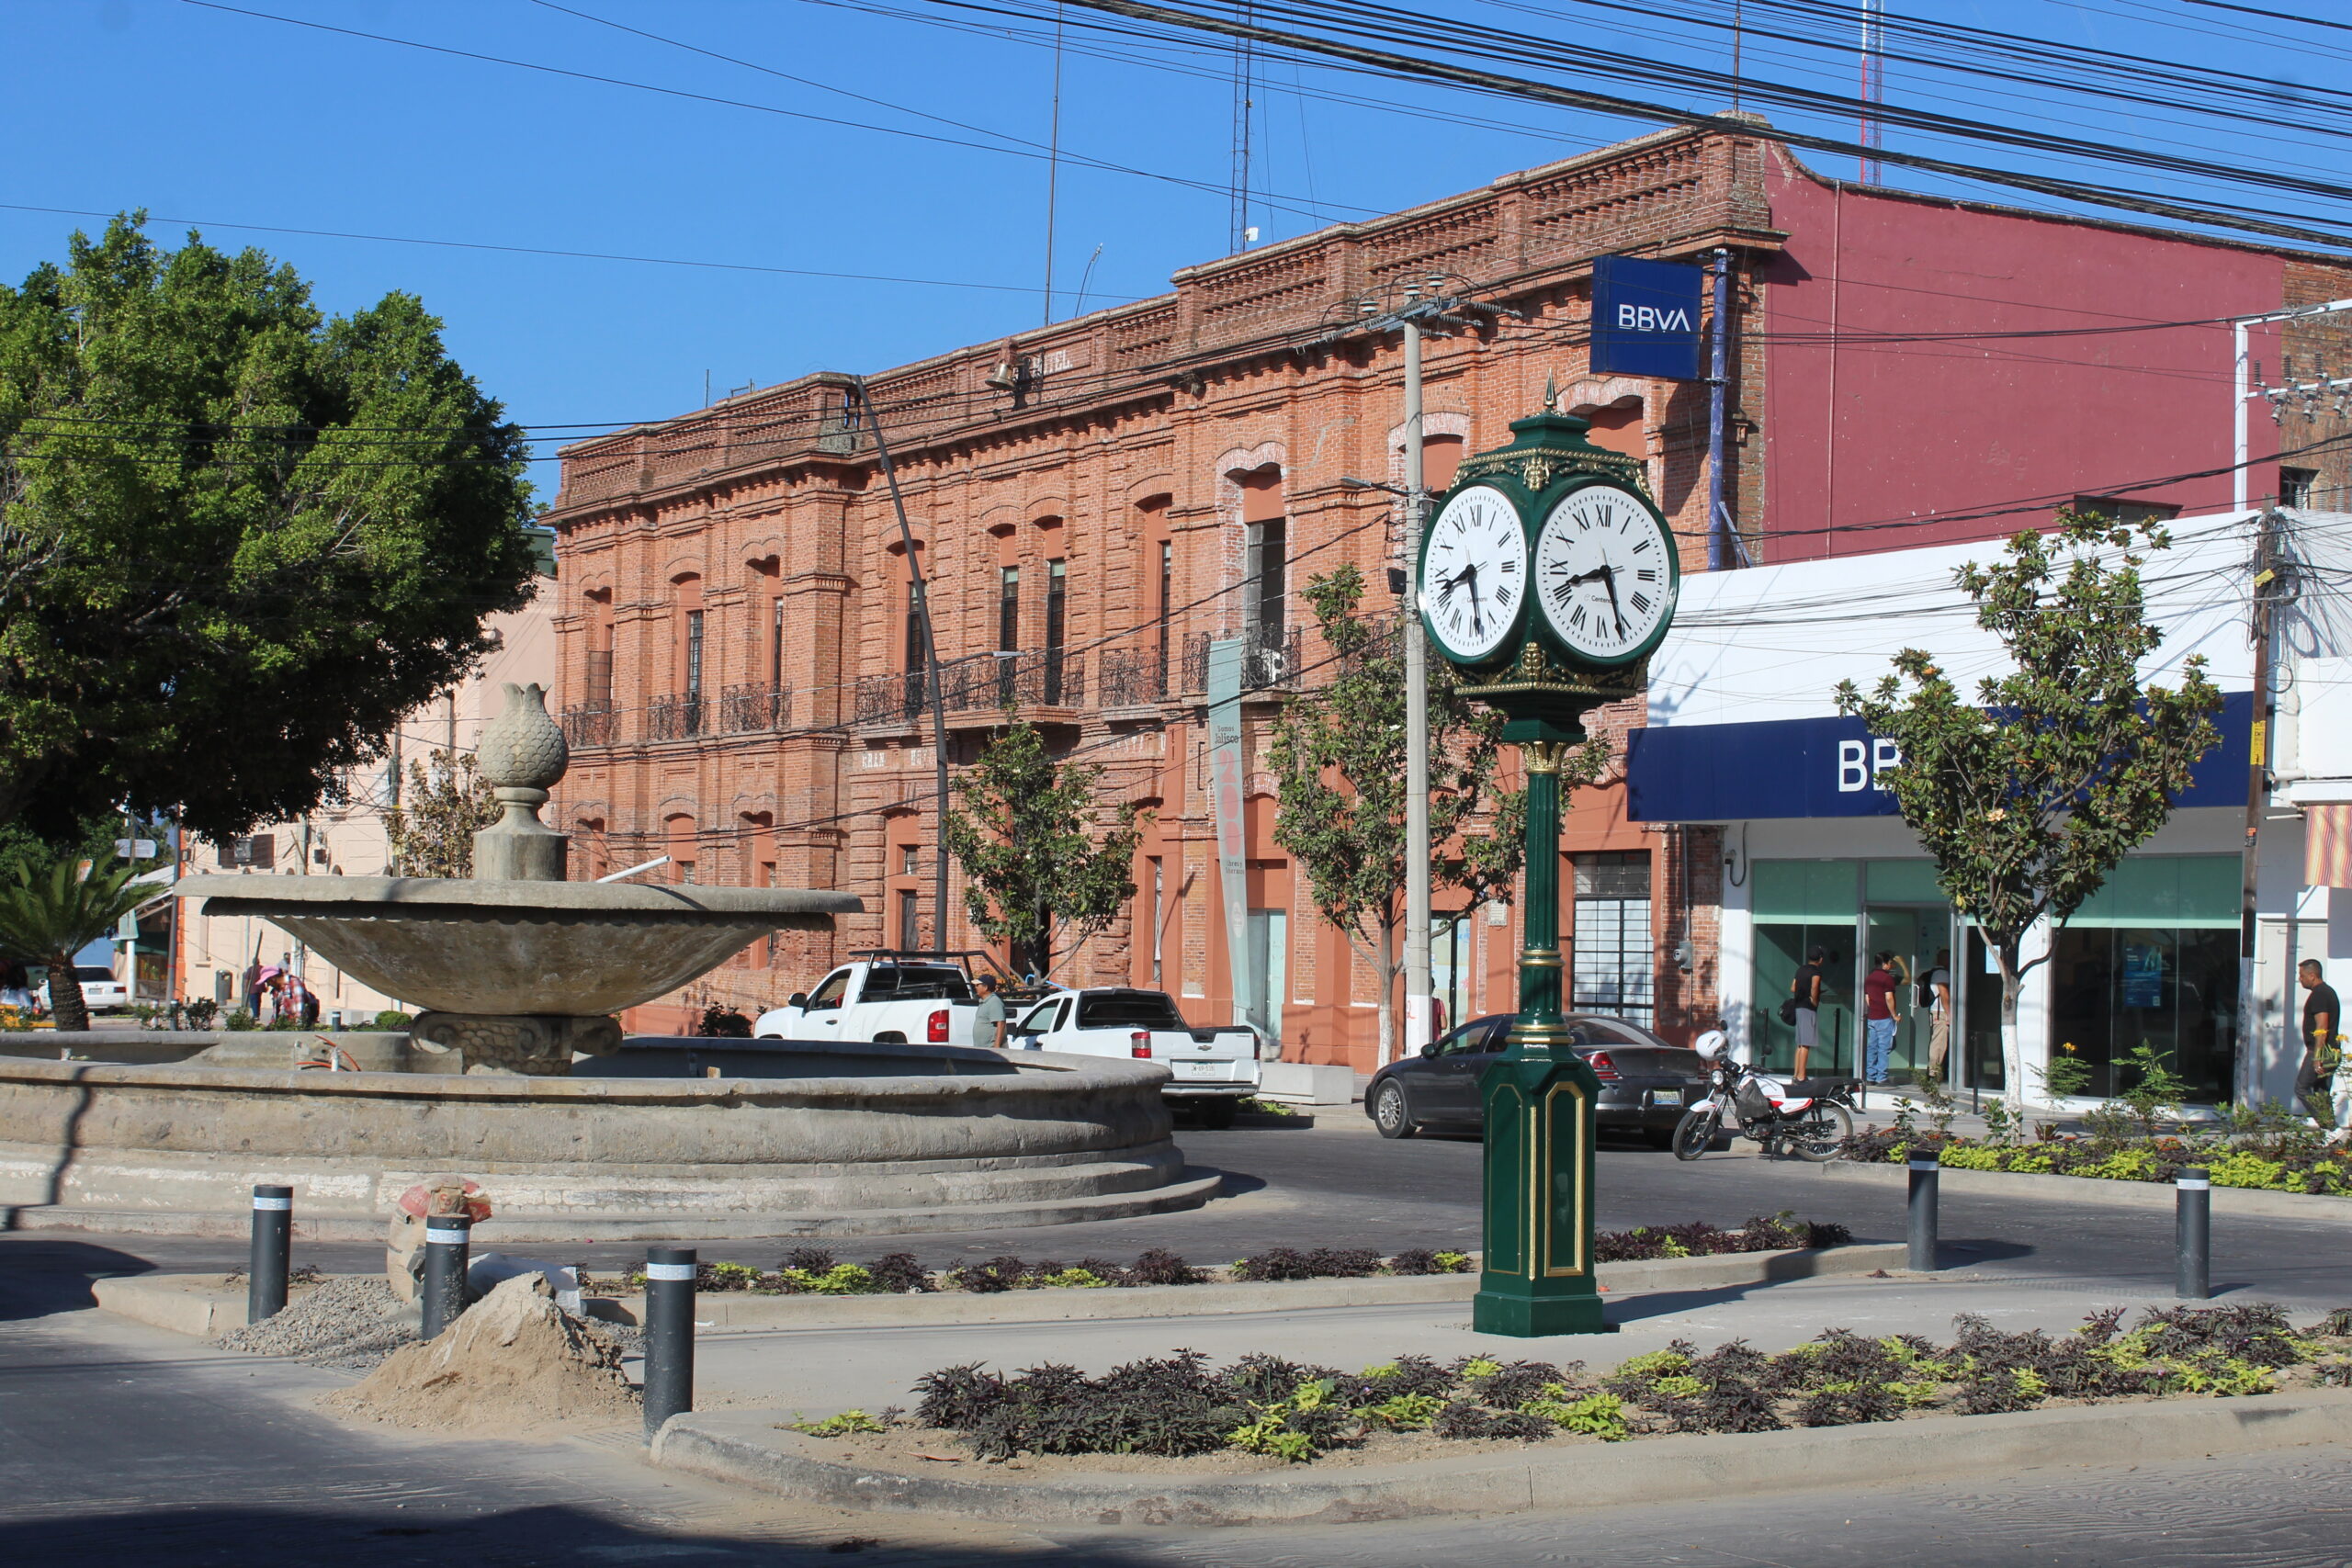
(694,654)
(909,920)
(1167,609)
(775,648)
(2119,509)
(1008,628)
(1056,614)
(910,859)
(1264,599)
(1615,969)
(2296,487)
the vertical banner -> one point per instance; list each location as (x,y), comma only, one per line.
(1645,318)
(1226,785)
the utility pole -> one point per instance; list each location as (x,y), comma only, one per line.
(1416,710)
(1426,307)
(1721,539)
(918,603)
(2265,574)
(2246,391)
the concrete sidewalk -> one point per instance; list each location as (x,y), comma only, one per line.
(819,1371)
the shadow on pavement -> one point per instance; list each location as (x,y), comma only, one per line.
(45,1277)
(379,1535)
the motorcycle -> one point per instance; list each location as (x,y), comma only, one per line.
(1810,1117)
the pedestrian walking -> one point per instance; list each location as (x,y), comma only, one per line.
(1804,1006)
(1878,1016)
(987,1019)
(1936,984)
(2323,1026)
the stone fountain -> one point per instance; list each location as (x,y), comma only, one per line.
(518,970)
(519,973)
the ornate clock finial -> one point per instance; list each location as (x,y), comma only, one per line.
(1552,392)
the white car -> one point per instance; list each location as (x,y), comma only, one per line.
(101,992)
(1212,1070)
(913,998)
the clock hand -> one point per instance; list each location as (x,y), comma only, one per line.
(1608,580)
(1477,611)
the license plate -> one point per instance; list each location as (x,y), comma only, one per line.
(1204,1069)
(1666,1097)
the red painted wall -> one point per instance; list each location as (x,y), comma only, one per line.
(1866,434)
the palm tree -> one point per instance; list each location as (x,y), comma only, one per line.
(48,913)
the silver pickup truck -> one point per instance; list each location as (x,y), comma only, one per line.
(1213,1070)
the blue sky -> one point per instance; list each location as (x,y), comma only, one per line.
(201,113)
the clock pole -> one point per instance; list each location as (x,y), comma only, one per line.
(1539,1095)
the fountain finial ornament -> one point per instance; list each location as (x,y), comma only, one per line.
(521,756)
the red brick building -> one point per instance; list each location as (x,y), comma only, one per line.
(1092,502)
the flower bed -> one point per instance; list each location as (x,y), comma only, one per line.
(1178,1407)
(809,1271)
(2270,1165)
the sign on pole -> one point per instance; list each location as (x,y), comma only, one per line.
(1645,318)
(1226,785)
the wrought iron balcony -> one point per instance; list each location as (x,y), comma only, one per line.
(1270,661)
(675,718)
(591,724)
(984,683)
(1134,677)
(744,710)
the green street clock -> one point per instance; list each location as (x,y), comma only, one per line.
(1547,579)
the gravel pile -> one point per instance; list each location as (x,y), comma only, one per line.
(353,1323)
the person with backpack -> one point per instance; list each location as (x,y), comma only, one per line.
(1935,996)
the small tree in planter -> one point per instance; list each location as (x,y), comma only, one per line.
(2030,795)
(1043,872)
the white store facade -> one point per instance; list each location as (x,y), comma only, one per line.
(1743,733)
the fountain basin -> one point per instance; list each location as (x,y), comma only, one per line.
(176,1148)
(571,949)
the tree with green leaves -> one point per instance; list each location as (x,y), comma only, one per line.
(2029,795)
(238,540)
(1337,758)
(52,908)
(431,833)
(1046,865)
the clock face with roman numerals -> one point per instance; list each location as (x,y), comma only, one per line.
(1605,575)
(1474,575)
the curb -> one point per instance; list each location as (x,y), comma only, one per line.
(1194,1189)
(735,1310)
(745,1447)
(2250,1201)
(200,1304)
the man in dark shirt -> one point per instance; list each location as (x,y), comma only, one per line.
(2323,1018)
(1878,1017)
(1806,990)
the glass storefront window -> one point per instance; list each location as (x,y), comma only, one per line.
(2115,987)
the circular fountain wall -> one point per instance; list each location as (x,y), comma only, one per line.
(864,1140)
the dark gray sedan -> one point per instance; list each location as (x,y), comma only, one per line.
(1645,1084)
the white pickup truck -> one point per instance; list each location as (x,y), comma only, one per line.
(904,997)
(1216,1070)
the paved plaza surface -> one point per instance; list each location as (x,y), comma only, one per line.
(122,1444)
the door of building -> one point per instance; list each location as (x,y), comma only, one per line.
(1913,933)
(1269,939)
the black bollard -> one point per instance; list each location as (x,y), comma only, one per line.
(273,1240)
(2192,1228)
(669,1333)
(449,1238)
(1927,1175)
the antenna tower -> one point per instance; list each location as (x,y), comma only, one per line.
(1243,108)
(1874,135)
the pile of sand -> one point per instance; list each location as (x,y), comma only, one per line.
(513,1365)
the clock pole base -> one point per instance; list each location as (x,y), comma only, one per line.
(1519,1315)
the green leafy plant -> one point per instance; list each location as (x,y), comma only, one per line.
(240,1022)
(2156,1091)
(840,1426)
(431,831)
(52,908)
(200,1012)
(2067,1077)
(1046,864)
(390,1019)
(1277,1428)
(1598,1415)
(2026,796)
(304,580)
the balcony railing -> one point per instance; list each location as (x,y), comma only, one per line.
(745,710)
(1133,677)
(591,724)
(675,718)
(978,685)
(1270,661)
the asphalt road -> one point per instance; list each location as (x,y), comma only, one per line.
(1332,1182)
(121,1445)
